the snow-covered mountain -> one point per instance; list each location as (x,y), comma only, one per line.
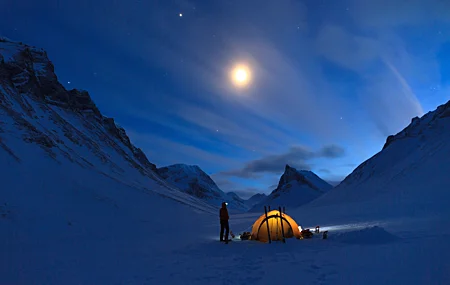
(235,198)
(408,177)
(255,199)
(44,125)
(192,180)
(295,188)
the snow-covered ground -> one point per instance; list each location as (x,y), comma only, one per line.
(171,245)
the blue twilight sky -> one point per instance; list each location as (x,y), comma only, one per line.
(330,79)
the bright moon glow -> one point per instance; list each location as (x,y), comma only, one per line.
(240,75)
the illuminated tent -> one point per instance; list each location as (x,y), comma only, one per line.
(276,225)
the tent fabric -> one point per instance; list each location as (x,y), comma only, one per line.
(259,229)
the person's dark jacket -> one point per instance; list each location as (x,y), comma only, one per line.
(224,213)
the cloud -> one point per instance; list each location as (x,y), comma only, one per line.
(297,156)
(348,50)
(381,62)
(332,151)
(390,101)
(155,147)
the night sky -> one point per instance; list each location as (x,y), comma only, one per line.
(330,80)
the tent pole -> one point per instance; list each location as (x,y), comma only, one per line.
(267,223)
(282,228)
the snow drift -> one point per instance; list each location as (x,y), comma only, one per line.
(372,235)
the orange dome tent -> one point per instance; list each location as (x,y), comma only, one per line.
(275,227)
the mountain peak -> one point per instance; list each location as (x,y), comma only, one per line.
(193,180)
(29,70)
(295,188)
(292,174)
(31,87)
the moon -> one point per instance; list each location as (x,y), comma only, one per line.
(240,75)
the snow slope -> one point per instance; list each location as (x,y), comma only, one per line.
(64,224)
(408,178)
(295,188)
(194,181)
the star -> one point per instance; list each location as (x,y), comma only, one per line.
(68,82)
(341,118)
(181,15)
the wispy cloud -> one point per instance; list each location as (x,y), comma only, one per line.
(388,14)
(390,101)
(297,156)
(156,149)
(384,92)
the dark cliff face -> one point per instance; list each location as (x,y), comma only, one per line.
(26,72)
(29,71)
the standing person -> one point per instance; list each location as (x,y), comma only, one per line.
(223,213)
